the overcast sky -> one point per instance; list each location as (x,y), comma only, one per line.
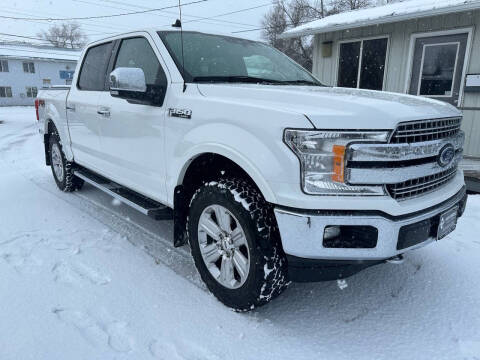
(98,28)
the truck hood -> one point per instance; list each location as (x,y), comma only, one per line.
(334,108)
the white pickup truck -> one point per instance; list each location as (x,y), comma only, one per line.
(269,176)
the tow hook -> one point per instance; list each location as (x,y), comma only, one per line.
(397,260)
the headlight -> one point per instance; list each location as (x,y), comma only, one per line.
(322,159)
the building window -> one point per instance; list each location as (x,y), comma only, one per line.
(3,66)
(32,91)
(362,64)
(5,91)
(439,62)
(29,67)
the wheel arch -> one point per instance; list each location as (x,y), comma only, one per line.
(55,125)
(219,158)
(205,167)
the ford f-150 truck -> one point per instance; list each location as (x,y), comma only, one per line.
(268,175)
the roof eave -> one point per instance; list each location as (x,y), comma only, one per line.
(26,57)
(383,20)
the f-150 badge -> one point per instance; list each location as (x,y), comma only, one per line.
(181,113)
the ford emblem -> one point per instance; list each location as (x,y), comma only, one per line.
(446,155)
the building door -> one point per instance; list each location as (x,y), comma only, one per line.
(438,64)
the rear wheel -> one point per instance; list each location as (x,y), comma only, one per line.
(62,169)
(236,245)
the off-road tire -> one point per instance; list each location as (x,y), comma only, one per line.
(70,182)
(267,277)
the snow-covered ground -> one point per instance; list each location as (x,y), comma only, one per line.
(84,278)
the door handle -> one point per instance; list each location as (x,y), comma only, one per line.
(104,112)
(71,107)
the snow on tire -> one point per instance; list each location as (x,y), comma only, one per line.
(62,169)
(236,244)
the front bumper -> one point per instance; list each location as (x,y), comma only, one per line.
(302,232)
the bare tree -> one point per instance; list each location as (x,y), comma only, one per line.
(292,13)
(283,16)
(66,35)
(338,6)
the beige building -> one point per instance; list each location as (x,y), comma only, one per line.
(422,47)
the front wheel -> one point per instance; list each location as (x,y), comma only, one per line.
(236,244)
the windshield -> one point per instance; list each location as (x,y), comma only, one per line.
(216,58)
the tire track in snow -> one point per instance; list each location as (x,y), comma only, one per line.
(96,331)
(161,249)
(72,273)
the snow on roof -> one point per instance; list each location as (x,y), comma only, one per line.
(395,12)
(31,51)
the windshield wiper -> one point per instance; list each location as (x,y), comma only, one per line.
(235,79)
(301,82)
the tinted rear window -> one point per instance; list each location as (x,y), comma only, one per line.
(94,68)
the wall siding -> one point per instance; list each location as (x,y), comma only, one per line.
(398,59)
(18,80)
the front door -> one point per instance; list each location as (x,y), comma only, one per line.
(438,64)
(132,135)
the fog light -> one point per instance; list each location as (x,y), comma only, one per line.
(350,237)
(331,232)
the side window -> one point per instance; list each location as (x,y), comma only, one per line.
(362,64)
(29,67)
(349,64)
(32,91)
(3,66)
(137,53)
(94,68)
(5,91)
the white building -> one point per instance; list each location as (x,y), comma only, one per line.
(26,68)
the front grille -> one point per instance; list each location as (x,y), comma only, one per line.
(415,187)
(426,130)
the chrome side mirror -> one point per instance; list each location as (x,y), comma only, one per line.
(127,80)
(130,84)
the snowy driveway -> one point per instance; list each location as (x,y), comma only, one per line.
(85,278)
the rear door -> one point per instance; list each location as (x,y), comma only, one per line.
(132,134)
(82,104)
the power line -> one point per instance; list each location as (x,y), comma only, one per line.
(101,16)
(24,37)
(250,30)
(36,38)
(32,38)
(85,24)
(229,13)
(199,18)
(268,27)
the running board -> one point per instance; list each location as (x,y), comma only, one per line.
(129,197)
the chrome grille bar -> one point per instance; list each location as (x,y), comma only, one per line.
(420,186)
(426,130)
(402,152)
(394,174)
(408,166)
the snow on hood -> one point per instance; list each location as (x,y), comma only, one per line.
(335,108)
